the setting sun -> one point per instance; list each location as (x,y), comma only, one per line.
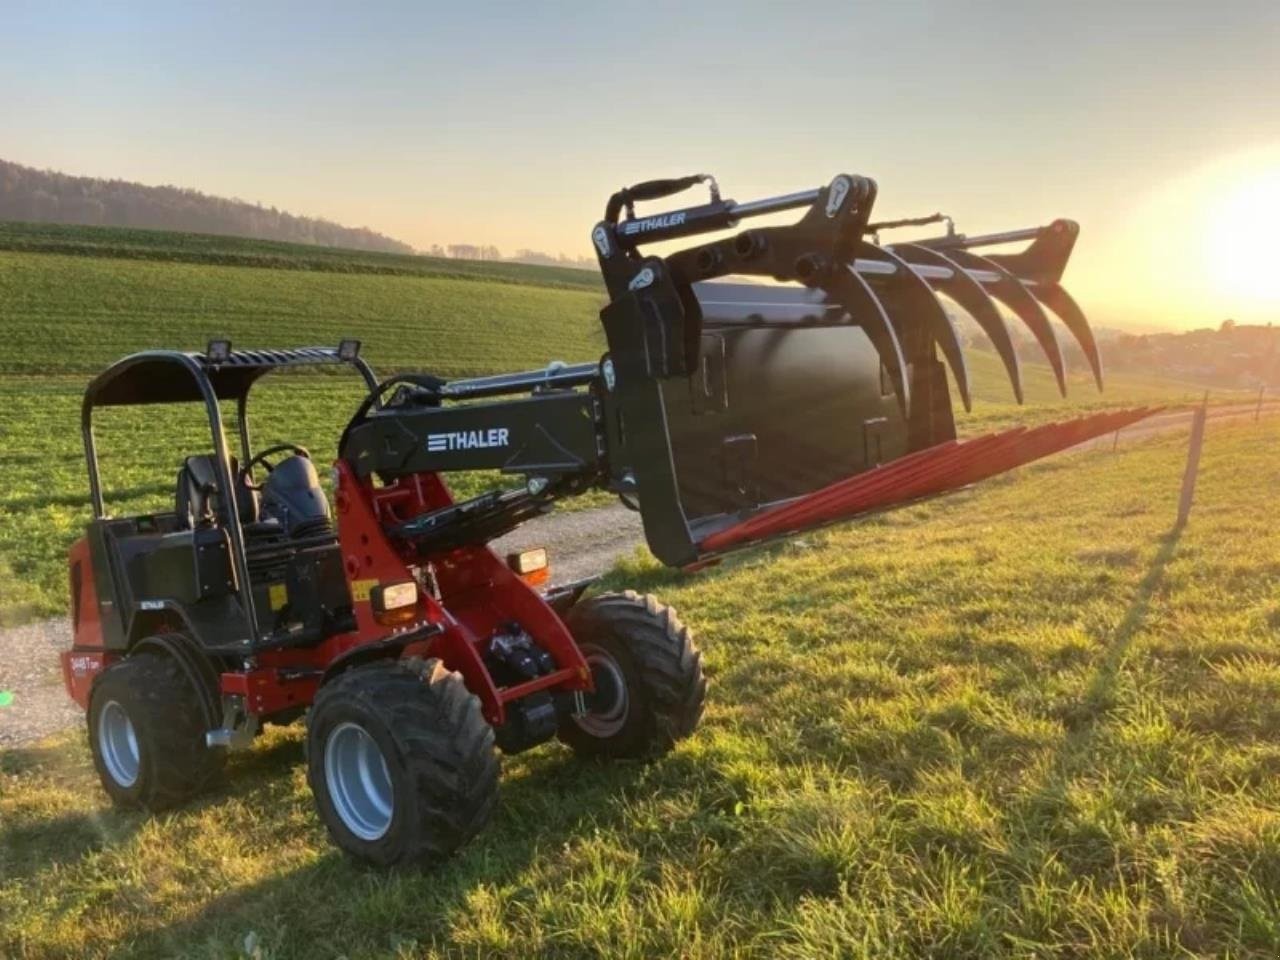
(1193,250)
(1242,239)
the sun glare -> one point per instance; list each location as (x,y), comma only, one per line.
(1242,242)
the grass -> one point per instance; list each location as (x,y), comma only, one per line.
(201,248)
(72,314)
(994,406)
(1028,720)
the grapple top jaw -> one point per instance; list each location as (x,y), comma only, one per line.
(754,406)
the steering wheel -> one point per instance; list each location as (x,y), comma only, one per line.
(246,471)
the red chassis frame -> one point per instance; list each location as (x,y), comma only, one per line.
(478,593)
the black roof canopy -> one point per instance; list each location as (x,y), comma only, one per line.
(171,376)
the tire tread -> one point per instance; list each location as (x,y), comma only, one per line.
(166,712)
(666,658)
(445,746)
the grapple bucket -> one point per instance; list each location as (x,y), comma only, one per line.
(789,377)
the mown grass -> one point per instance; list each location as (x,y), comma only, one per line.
(76,314)
(201,248)
(1030,719)
(995,408)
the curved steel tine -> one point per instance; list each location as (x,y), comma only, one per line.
(1053,296)
(847,288)
(918,299)
(1014,294)
(976,301)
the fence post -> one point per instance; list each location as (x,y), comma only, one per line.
(1193,461)
(1257,414)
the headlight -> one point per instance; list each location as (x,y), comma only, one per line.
(532,565)
(394,602)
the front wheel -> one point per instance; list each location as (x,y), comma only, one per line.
(647,670)
(401,762)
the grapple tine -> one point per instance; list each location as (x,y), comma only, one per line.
(1014,294)
(916,298)
(969,293)
(847,287)
(1057,299)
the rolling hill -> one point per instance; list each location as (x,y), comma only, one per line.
(48,196)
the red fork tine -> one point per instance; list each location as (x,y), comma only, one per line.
(938,469)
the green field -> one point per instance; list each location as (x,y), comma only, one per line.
(1028,720)
(122,243)
(75,314)
(73,299)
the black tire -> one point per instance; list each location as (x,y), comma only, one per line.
(642,643)
(146,717)
(441,771)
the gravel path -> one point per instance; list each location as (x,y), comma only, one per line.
(29,671)
(581,543)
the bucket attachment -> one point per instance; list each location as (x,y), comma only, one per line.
(790,376)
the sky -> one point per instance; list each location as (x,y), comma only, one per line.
(1155,125)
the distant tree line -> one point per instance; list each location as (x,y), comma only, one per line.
(547,260)
(465,251)
(470,251)
(45,196)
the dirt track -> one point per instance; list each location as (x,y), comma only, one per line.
(581,543)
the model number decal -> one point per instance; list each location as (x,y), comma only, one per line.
(467,440)
(82,665)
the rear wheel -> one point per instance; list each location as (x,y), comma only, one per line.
(146,734)
(401,762)
(649,687)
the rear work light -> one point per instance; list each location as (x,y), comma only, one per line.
(394,602)
(531,565)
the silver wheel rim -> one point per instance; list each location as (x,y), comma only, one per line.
(359,783)
(118,744)
(606,718)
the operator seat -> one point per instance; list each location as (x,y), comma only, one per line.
(292,496)
(199,501)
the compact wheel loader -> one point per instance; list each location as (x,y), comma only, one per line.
(729,412)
